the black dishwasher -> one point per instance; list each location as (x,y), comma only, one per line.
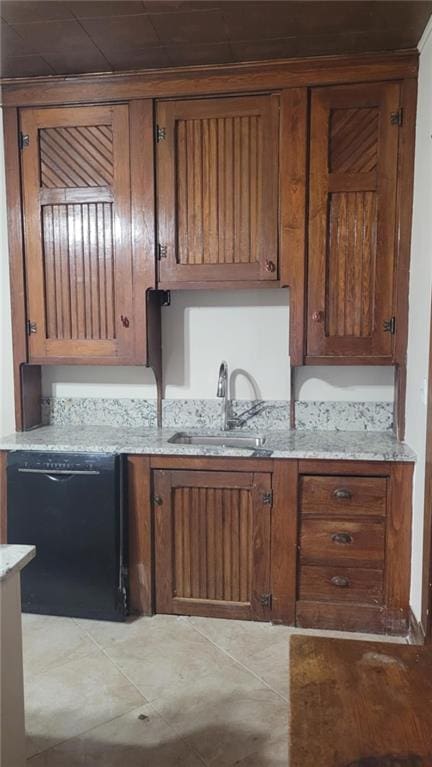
(70,506)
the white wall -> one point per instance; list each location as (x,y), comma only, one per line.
(247,328)
(420,305)
(6,370)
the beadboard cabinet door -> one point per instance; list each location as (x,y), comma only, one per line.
(217,190)
(352,220)
(212,543)
(83,275)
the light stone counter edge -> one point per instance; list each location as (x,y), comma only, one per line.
(327,445)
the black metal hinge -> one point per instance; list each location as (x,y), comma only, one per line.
(265,600)
(24,140)
(268,498)
(396,117)
(390,325)
(160,133)
(162,251)
(31,327)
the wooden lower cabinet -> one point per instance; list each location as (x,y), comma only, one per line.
(317,544)
(354,546)
(212,543)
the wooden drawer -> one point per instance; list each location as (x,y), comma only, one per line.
(343,496)
(342,541)
(341,584)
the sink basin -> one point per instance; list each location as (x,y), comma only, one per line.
(218,440)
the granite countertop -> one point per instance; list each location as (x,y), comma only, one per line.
(345,445)
(13,558)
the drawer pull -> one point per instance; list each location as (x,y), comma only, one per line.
(342,538)
(342,493)
(340,581)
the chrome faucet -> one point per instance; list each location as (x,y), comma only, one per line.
(228,421)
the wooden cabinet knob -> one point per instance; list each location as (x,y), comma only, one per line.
(342,493)
(340,581)
(124,321)
(270,266)
(343,538)
(318,316)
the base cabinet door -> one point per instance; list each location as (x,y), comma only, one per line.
(212,543)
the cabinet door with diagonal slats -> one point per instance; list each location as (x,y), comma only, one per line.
(212,552)
(217,176)
(352,216)
(76,180)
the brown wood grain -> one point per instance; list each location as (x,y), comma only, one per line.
(3,497)
(398,541)
(16,258)
(212,543)
(345,468)
(403,244)
(352,208)
(343,496)
(197,463)
(217,189)
(140,534)
(79,262)
(284,541)
(292,206)
(359,703)
(323,540)
(213,80)
(378,524)
(342,616)
(147,319)
(341,584)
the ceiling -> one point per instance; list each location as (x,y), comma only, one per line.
(61,37)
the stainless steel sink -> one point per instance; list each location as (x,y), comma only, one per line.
(218,440)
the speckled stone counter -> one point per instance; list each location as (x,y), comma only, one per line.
(347,445)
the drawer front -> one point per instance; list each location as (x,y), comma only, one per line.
(341,584)
(343,496)
(342,541)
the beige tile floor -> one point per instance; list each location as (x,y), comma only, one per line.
(157,692)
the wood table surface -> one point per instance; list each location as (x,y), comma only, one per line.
(359,704)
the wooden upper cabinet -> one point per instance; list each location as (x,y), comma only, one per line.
(217,190)
(352,220)
(85,277)
(212,543)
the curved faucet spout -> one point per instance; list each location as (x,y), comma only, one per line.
(222,384)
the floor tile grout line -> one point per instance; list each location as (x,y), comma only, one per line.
(80,734)
(146,700)
(225,652)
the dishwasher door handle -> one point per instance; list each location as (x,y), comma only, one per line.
(48,473)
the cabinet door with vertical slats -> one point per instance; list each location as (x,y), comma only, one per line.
(212,534)
(352,215)
(217,171)
(76,180)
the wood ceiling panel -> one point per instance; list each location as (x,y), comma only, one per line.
(26,66)
(214,53)
(190,27)
(121,32)
(54,36)
(87,9)
(139,58)
(78,60)
(29,10)
(74,36)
